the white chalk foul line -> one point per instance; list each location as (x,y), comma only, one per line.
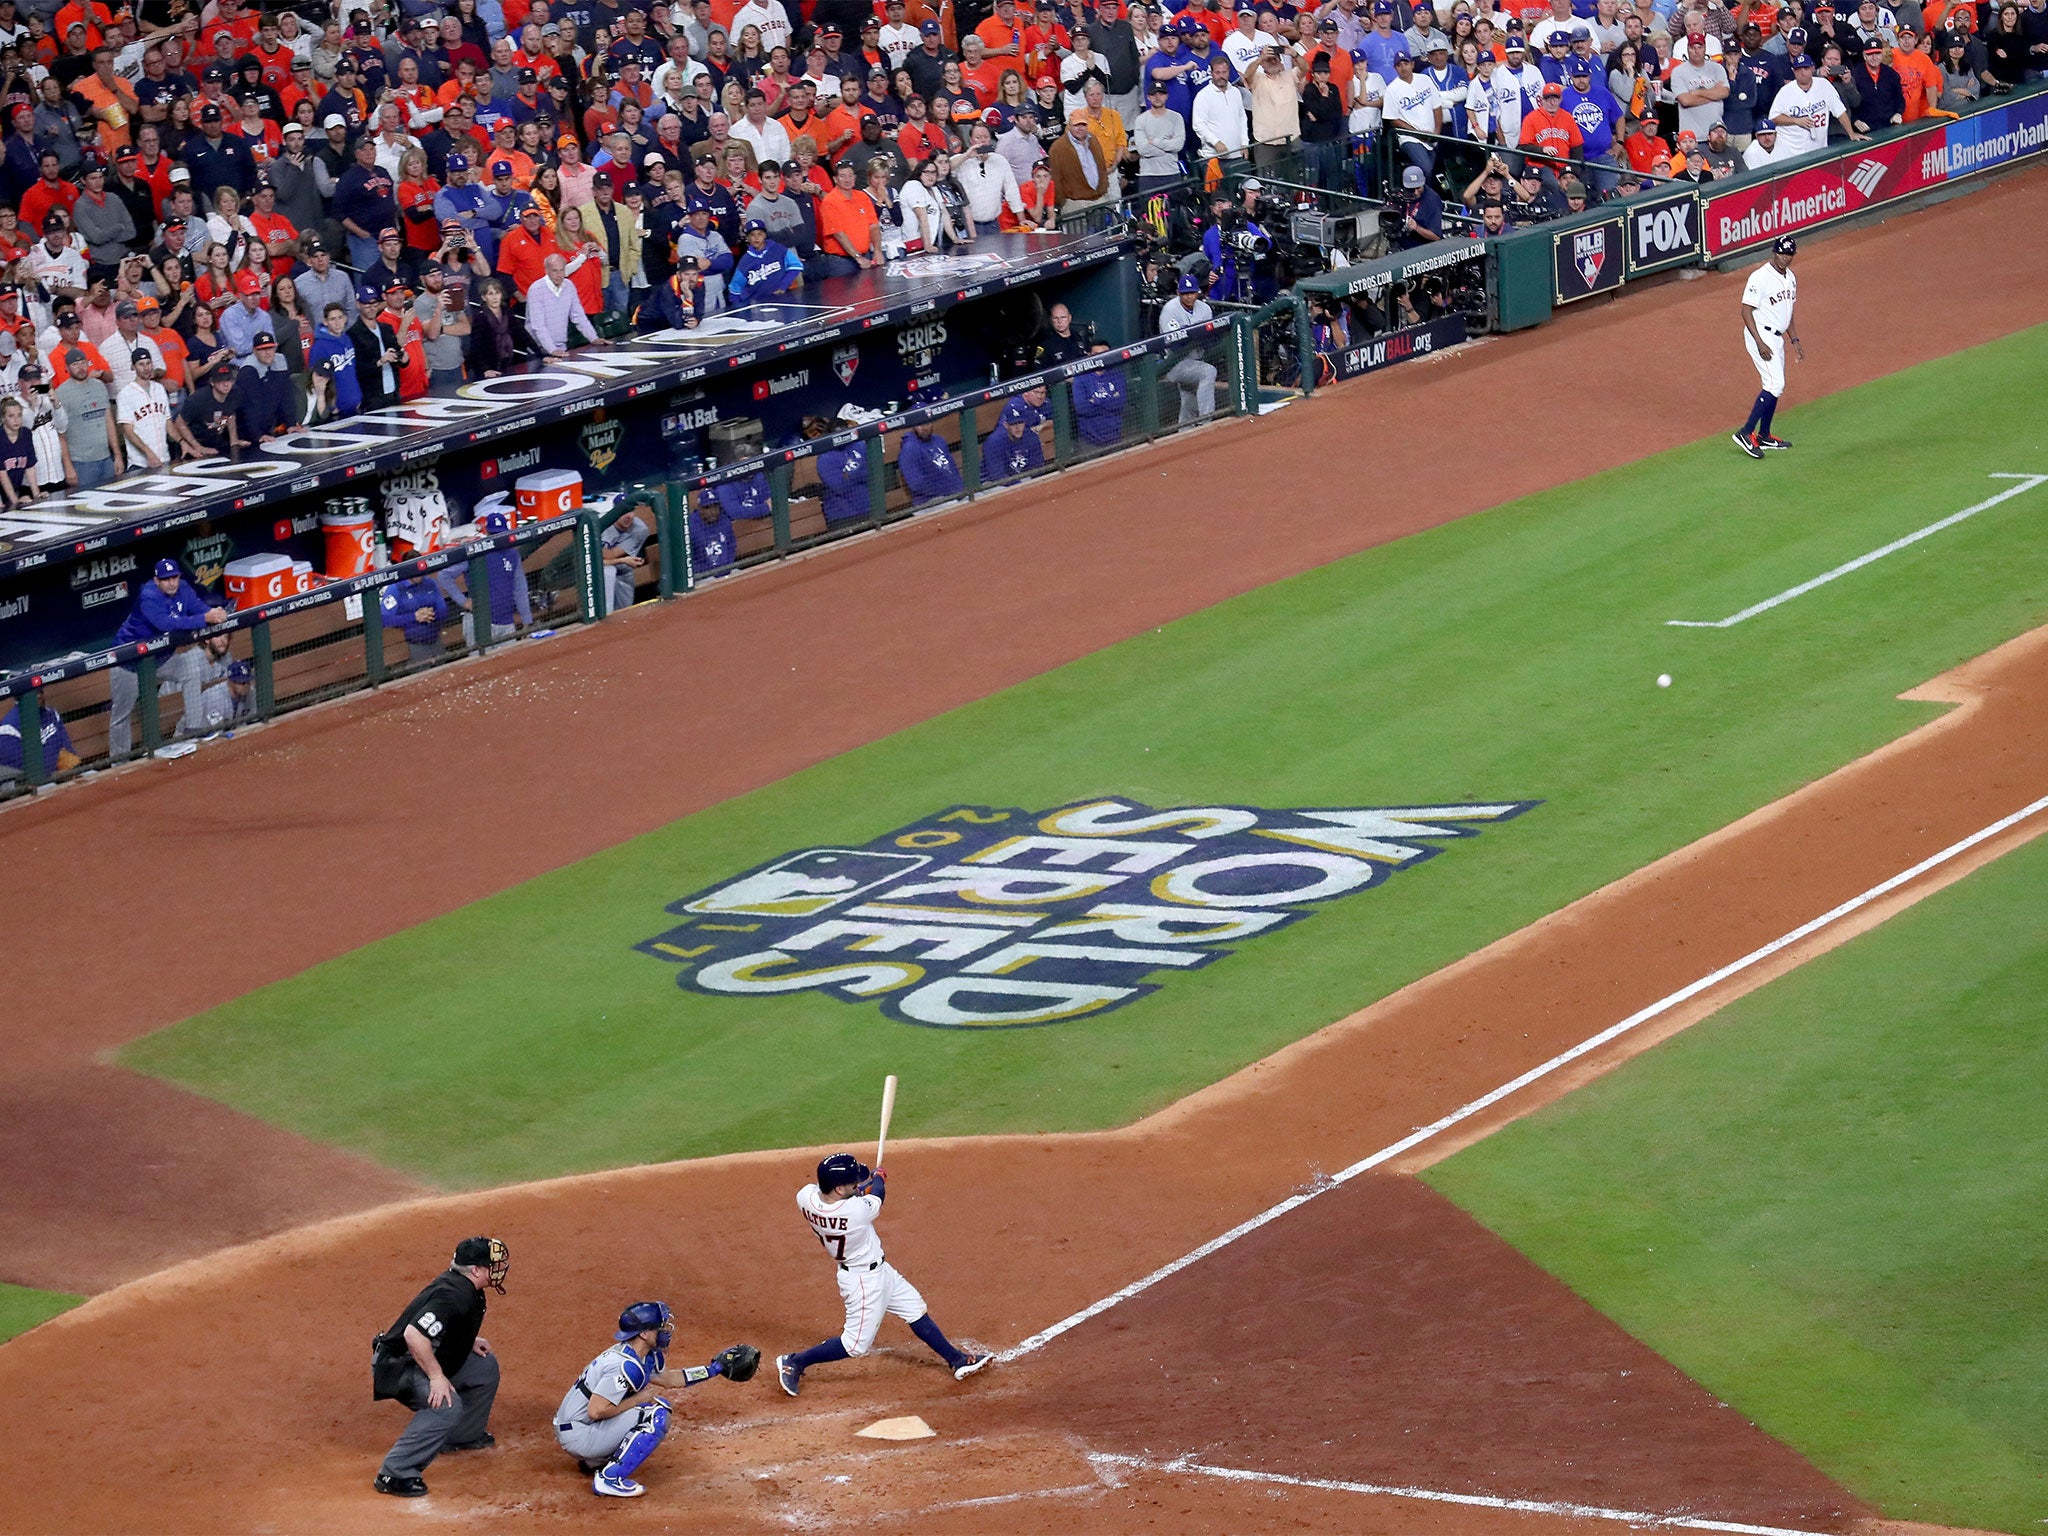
(2027,483)
(1436,1496)
(1535,1074)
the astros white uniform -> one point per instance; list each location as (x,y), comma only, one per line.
(1771,294)
(868,1283)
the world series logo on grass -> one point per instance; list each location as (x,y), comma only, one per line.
(980,917)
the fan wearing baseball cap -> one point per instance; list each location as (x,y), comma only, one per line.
(764,269)
(167,604)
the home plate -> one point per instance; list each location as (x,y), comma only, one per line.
(912,1428)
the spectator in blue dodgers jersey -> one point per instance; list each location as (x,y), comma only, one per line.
(1099,403)
(764,269)
(926,465)
(58,754)
(1013,449)
(417,606)
(168,604)
(842,474)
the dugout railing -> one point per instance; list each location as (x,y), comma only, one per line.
(333,640)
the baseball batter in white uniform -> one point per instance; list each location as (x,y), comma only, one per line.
(841,1208)
(1767,300)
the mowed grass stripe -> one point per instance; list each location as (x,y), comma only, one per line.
(22,1308)
(1823,1203)
(1508,656)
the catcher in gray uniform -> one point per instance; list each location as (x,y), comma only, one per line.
(614,1416)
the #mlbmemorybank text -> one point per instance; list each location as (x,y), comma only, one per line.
(978,917)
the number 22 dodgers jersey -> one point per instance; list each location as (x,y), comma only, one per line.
(847,1229)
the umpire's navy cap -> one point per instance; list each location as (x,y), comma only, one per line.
(1785,245)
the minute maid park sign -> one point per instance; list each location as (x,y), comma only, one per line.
(983,918)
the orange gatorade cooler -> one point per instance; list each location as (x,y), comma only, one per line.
(351,539)
(547,494)
(255,580)
(303,579)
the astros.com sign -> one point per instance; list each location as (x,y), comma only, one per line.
(981,917)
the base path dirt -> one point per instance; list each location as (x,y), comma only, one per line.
(1372,1336)
(353,822)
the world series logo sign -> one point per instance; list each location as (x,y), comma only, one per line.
(984,917)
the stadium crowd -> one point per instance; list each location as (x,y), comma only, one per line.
(218,224)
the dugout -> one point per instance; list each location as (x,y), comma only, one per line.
(639,410)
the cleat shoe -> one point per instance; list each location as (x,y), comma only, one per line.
(615,1487)
(787,1374)
(401,1487)
(482,1442)
(1747,444)
(1772,442)
(980,1361)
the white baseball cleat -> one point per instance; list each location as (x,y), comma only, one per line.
(976,1362)
(615,1487)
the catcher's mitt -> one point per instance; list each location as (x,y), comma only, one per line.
(739,1362)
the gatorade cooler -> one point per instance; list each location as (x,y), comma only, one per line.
(303,579)
(351,532)
(255,580)
(547,494)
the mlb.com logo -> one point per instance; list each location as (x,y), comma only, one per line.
(1866,176)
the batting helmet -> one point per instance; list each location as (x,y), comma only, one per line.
(643,1315)
(840,1168)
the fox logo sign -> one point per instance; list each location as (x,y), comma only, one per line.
(989,917)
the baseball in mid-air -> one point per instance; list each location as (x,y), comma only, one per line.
(1663,679)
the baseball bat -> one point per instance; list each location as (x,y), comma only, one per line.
(888,1109)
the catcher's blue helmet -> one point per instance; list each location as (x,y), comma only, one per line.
(643,1315)
(840,1168)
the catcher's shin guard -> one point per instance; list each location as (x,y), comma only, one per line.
(639,1445)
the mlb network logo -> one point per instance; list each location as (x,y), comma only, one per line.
(1866,176)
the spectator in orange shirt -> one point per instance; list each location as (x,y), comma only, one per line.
(1919,76)
(979,73)
(52,193)
(1550,130)
(91,12)
(1644,145)
(111,99)
(841,127)
(523,253)
(847,223)
(1002,35)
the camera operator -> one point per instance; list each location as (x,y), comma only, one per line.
(1422,211)
(1234,246)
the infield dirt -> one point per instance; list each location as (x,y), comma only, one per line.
(1438,1360)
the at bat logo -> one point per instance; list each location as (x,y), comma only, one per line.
(991,917)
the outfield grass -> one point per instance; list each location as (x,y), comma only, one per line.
(22,1309)
(1824,1203)
(1508,656)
